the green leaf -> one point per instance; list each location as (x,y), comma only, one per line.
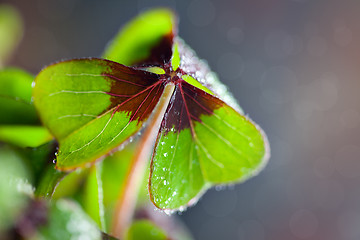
(38,159)
(202,142)
(94,195)
(175,59)
(50,178)
(66,220)
(195,83)
(70,185)
(24,136)
(142,39)
(15,97)
(13,174)
(93,106)
(145,230)
(11,31)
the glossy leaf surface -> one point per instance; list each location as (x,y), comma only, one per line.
(92,106)
(202,142)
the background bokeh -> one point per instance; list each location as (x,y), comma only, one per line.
(294,66)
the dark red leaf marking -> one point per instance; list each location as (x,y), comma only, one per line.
(122,80)
(187,104)
(161,53)
(133,91)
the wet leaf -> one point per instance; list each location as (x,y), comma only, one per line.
(93,106)
(202,142)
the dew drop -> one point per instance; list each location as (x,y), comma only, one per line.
(168,212)
(54,161)
(165,154)
(165,182)
(219,187)
(182,208)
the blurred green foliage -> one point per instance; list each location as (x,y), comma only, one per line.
(11,31)
(145,230)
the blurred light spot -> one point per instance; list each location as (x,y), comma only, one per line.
(324,167)
(332,127)
(218,228)
(281,153)
(319,95)
(348,225)
(277,84)
(279,45)
(145,4)
(230,66)
(342,33)
(317,46)
(253,71)
(201,12)
(271,205)
(328,194)
(298,45)
(298,189)
(347,161)
(271,100)
(311,29)
(302,110)
(279,78)
(56,10)
(350,118)
(251,230)
(50,48)
(303,224)
(235,35)
(221,204)
(226,21)
(327,94)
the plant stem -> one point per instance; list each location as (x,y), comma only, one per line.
(126,204)
(49,182)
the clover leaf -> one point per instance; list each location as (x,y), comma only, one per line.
(94,106)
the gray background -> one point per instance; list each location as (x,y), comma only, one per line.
(294,66)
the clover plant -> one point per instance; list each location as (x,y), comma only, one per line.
(147,108)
